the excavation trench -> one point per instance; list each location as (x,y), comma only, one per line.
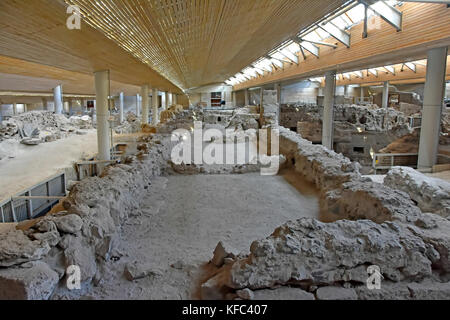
(183,218)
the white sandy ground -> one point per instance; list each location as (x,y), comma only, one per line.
(34,164)
(185,220)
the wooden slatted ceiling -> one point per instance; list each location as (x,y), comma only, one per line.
(198,42)
(19,75)
(35,31)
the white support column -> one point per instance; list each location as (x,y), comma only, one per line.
(121,107)
(57,97)
(247,97)
(234,99)
(170,99)
(103,130)
(278,89)
(328,109)
(144,93)
(83,106)
(138,99)
(70,107)
(166,95)
(385,101)
(155,115)
(15,109)
(432,107)
(174,98)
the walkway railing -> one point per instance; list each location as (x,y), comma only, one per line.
(35,201)
(385,161)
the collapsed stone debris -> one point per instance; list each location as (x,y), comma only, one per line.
(36,127)
(302,259)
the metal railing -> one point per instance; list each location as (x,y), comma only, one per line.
(385,161)
(90,168)
(363,101)
(34,201)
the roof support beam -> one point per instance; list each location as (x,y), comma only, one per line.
(292,57)
(373,71)
(310,48)
(337,33)
(320,43)
(390,69)
(411,66)
(279,60)
(390,14)
(303,52)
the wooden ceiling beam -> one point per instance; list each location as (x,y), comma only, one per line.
(425,26)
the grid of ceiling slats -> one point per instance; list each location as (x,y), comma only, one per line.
(199,42)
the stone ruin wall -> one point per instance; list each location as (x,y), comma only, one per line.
(381,222)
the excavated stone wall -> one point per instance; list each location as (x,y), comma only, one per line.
(314,260)
(358,130)
(83,235)
(35,256)
(306,258)
(430,194)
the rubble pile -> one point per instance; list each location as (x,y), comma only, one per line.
(131,124)
(368,118)
(359,131)
(430,194)
(42,126)
(84,234)
(383,227)
(375,225)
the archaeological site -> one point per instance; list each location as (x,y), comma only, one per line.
(236,150)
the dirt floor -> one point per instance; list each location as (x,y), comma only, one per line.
(33,164)
(180,225)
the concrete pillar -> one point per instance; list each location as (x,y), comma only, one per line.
(84,106)
(155,103)
(261,107)
(14,108)
(138,108)
(170,99)
(57,97)
(234,99)
(70,107)
(328,109)
(278,89)
(345,90)
(65,107)
(385,101)
(174,98)
(166,97)
(432,107)
(144,93)
(247,97)
(121,107)
(102,106)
